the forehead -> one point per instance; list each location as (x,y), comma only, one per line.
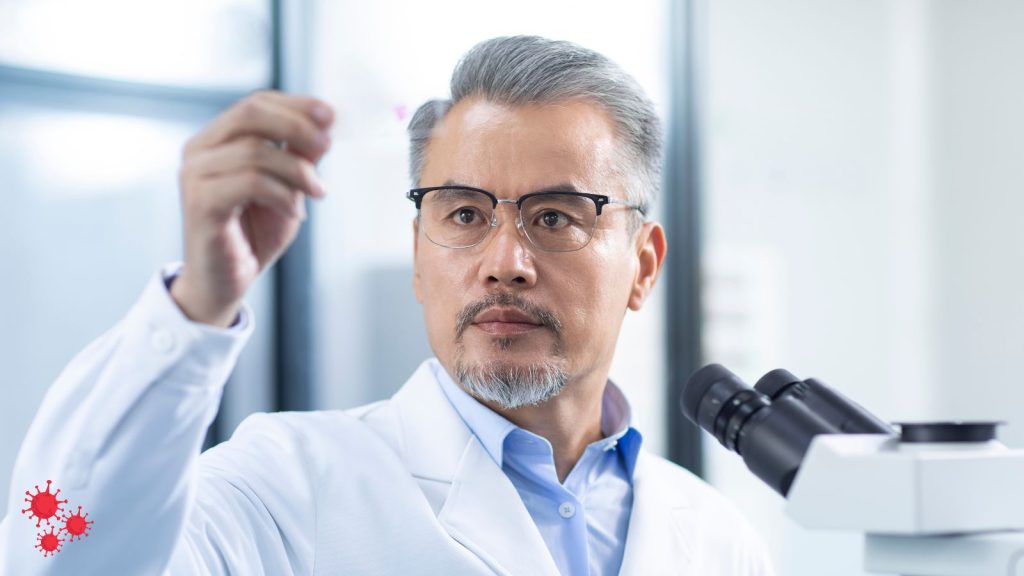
(513,150)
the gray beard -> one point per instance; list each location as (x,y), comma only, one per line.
(511,386)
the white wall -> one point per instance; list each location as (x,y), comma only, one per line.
(862,216)
(978,120)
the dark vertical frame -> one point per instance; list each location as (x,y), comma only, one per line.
(682,220)
(293,279)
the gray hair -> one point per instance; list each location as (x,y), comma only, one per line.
(517,70)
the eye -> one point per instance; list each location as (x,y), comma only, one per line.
(466,215)
(552,219)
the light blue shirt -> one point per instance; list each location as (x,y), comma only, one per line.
(583,521)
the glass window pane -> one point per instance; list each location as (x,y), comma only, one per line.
(210,44)
(90,212)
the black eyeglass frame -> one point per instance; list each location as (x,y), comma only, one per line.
(600,200)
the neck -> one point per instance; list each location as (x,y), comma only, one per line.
(569,421)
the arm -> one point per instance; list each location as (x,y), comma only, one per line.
(119,433)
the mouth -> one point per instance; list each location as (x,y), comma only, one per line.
(506,322)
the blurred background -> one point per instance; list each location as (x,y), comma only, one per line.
(843,198)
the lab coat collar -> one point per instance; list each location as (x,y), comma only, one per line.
(662,525)
(483,510)
(485,513)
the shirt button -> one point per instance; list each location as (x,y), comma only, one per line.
(162,340)
(566,510)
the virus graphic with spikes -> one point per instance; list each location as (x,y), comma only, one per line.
(43,505)
(75,525)
(49,543)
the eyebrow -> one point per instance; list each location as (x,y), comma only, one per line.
(562,187)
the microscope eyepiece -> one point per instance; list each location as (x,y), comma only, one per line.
(771,425)
(719,402)
(776,382)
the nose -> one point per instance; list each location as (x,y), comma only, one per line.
(507,259)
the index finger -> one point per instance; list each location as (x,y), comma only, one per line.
(319,111)
(269,117)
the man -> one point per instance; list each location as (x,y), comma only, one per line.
(510,453)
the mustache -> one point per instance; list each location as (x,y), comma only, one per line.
(506,300)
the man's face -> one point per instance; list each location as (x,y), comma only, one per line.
(505,303)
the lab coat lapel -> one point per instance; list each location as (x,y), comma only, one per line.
(660,535)
(431,435)
(485,513)
(482,509)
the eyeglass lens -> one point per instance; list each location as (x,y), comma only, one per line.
(556,222)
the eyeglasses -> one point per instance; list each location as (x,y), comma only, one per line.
(461,217)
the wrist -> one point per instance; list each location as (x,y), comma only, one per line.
(199,309)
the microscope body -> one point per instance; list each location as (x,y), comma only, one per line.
(927,509)
(934,499)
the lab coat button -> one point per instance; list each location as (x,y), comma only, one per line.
(566,510)
(162,340)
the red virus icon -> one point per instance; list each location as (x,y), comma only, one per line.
(49,543)
(76,525)
(43,505)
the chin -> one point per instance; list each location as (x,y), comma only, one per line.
(511,380)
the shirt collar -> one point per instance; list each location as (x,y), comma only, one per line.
(491,428)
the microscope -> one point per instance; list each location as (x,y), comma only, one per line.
(934,499)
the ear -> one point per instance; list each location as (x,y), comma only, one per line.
(650,254)
(416,260)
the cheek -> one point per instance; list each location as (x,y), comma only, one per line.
(577,308)
(442,282)
(613,270)
(593,297)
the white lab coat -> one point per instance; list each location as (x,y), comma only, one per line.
(397,487)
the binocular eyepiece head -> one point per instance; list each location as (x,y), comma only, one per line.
(771,425)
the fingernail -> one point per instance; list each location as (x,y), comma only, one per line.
(303,215)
